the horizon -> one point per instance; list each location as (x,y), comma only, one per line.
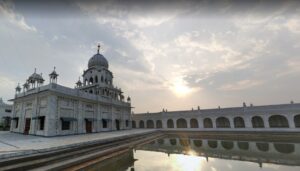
(164,56)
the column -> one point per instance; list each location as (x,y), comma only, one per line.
(291,121)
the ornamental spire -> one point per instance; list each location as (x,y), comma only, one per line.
(98,48)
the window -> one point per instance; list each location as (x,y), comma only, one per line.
(65,125)
(42,122)
(8,110)
(127,123)
(17,122)
(104,123)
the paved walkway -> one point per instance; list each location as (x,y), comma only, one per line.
(14,144)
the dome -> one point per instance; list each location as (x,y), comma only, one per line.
(98,60)
(36,76)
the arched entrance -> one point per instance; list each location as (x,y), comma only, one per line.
(297,121)
(170,123)
(222,122)
(117,124)
(150,124)
(207,122)
(158,124)
(181,123)
(278,121)
(133,124)
(239,122)
(257,122)
(141,124)
(194,123)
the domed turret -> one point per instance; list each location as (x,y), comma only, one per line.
(98,60)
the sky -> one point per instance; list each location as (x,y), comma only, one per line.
(165,55)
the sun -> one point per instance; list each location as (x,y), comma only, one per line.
(180,88)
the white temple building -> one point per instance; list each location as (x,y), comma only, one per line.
(94,105)
(5,114)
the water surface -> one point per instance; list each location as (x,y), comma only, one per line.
(190,153)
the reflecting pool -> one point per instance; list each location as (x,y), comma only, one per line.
(189,153)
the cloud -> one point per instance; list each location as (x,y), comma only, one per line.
(294,25)
(240,85)
(7,11)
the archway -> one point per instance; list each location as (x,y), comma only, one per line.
(297,121)
(222,122)
(194,123)
(278,121)
(96,79)
(150,124)
(142,124)
(257,122)
(158,124)
(91,80)
(117,124)
(133,124)
(170,123)
(239,122)
(181,123)
(207,122)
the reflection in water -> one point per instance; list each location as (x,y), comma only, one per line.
(198,143)
(243,145)
(228,145)
(212,144)
(184,154)
(262,146)
(284,148)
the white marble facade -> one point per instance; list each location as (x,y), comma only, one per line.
(94,105)
(276,118)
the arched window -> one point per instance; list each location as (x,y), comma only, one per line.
(133,124)
(207,122)
(85,82)
(194,123)
(181,123)
(101,78)
(297,121)
(91,80)
(278,121)
(91,91)
(96,79)
(239,122)
(150,124)
(158,124)
(257,122)
(170,123)
(222,122)
(142,125)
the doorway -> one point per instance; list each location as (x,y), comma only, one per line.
(27,126)
(117,124)
(88,126)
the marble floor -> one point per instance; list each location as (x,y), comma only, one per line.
(14,144)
